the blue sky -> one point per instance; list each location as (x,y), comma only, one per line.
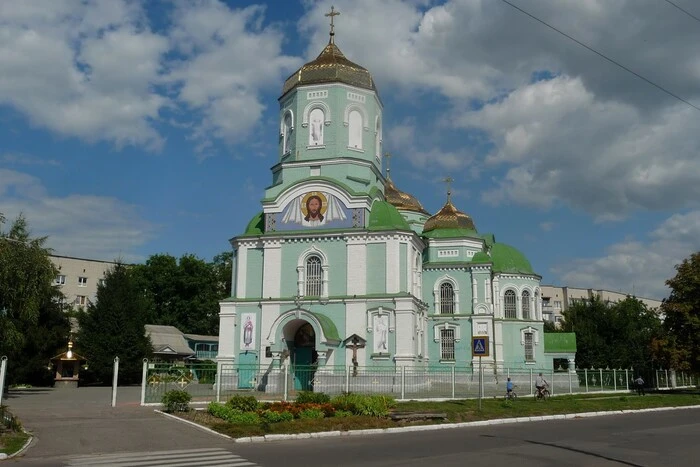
(133,128)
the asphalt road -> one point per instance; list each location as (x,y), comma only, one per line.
(80,428)
(670,438)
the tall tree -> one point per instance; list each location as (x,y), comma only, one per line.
(33,327)
(679,348)
(114,326)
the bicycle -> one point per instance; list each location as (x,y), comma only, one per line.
(542,394)
(511,396)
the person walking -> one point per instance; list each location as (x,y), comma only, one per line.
(639,382)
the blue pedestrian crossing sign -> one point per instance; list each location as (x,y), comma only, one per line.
(480,346)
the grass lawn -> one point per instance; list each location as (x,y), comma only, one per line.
(12,441)
(456,411)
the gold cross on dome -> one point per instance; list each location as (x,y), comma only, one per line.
(448,181)
(331,15)
(387,156)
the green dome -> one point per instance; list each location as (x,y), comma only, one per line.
(507,259)
(256,226)
(384,216)
(481,257)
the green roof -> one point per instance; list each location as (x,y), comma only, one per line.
(560,342)
(256,226)
(505,258)
(384,216)
(451,233)
(489,239)
(329,329)
(481,257)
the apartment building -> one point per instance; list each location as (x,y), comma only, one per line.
(78,278)
(557,299)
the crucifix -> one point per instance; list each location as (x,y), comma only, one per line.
(448,181)
(387,156)
(354,346)
(331,15)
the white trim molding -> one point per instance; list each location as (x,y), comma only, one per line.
(313,105)
(436,293)
(301,271)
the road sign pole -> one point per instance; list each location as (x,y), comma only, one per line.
(481,382)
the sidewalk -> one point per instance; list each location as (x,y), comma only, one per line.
(66,422)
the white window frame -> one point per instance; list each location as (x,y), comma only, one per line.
(515,304)
(447,346)
(60,279)
(446,325)
(82,281)
(436,294)
(535,341)
(313,272)
(526,303)
(301,272)
(81,300)
(286,131)
(447,304)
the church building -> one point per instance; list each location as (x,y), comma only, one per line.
(342,269)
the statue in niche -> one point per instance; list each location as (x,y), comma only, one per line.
(316,119)
(381,333)
(248,332)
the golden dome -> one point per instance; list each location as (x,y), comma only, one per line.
(449,217)
(330,66)
(400,199)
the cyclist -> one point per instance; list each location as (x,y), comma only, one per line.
(540,384)
(509,389)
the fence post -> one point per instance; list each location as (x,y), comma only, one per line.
(219,375)
(115,379)
(453,382)
(614,380)
(552,380)
(531,393)
(571,387)
(144,376)
(347,379)
(3,370)
(585,376)
(286,380)
(656,374)
(627,380)
(666,374)
(403,382)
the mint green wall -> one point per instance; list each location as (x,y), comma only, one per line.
(376,268)
(431,254)
(464,284)
(463,354)
(514,351)
(335,251)
(403,267)
(254,274)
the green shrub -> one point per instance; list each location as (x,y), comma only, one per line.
(243,403)
(377,405)
(310,397)
(231,415)
(176,400)
(311,414)
(276,417)
(342,413)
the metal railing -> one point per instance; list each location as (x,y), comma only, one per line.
(209,382)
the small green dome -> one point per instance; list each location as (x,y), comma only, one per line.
(481,257)
(384,216)
(507,259)
(256,226)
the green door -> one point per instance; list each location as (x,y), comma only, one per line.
(247,370)
(303,369)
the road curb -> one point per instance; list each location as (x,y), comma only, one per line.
(21,450)
(446,426)
(201,427)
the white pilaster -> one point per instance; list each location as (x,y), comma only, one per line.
(355,323)
(357,268)
(242,268)
(227,332)
(269,312)
(272,269)
(475,292)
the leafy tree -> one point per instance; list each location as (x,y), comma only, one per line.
(679,347)
(115,326)
(612,335)
(185,293)
(32,326)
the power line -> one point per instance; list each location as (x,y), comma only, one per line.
(684,11)
(600,54)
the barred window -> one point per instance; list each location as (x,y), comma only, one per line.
(529,350)
(526,304)
(447,344)
(447,298)
(314,276)
(509,304)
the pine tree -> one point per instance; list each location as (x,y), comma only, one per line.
(114,326)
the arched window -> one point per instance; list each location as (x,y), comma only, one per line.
(447,298)
(355,129)
(378,141)
(316,119)
(509,304)
(286,133)
(526,304)
(314,276)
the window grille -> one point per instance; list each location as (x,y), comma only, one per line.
(526,304)
(529,350)
(447,298)
(509,304)
(314,276)
(447,344)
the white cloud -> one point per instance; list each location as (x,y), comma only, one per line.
(79,225)
(640,265)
